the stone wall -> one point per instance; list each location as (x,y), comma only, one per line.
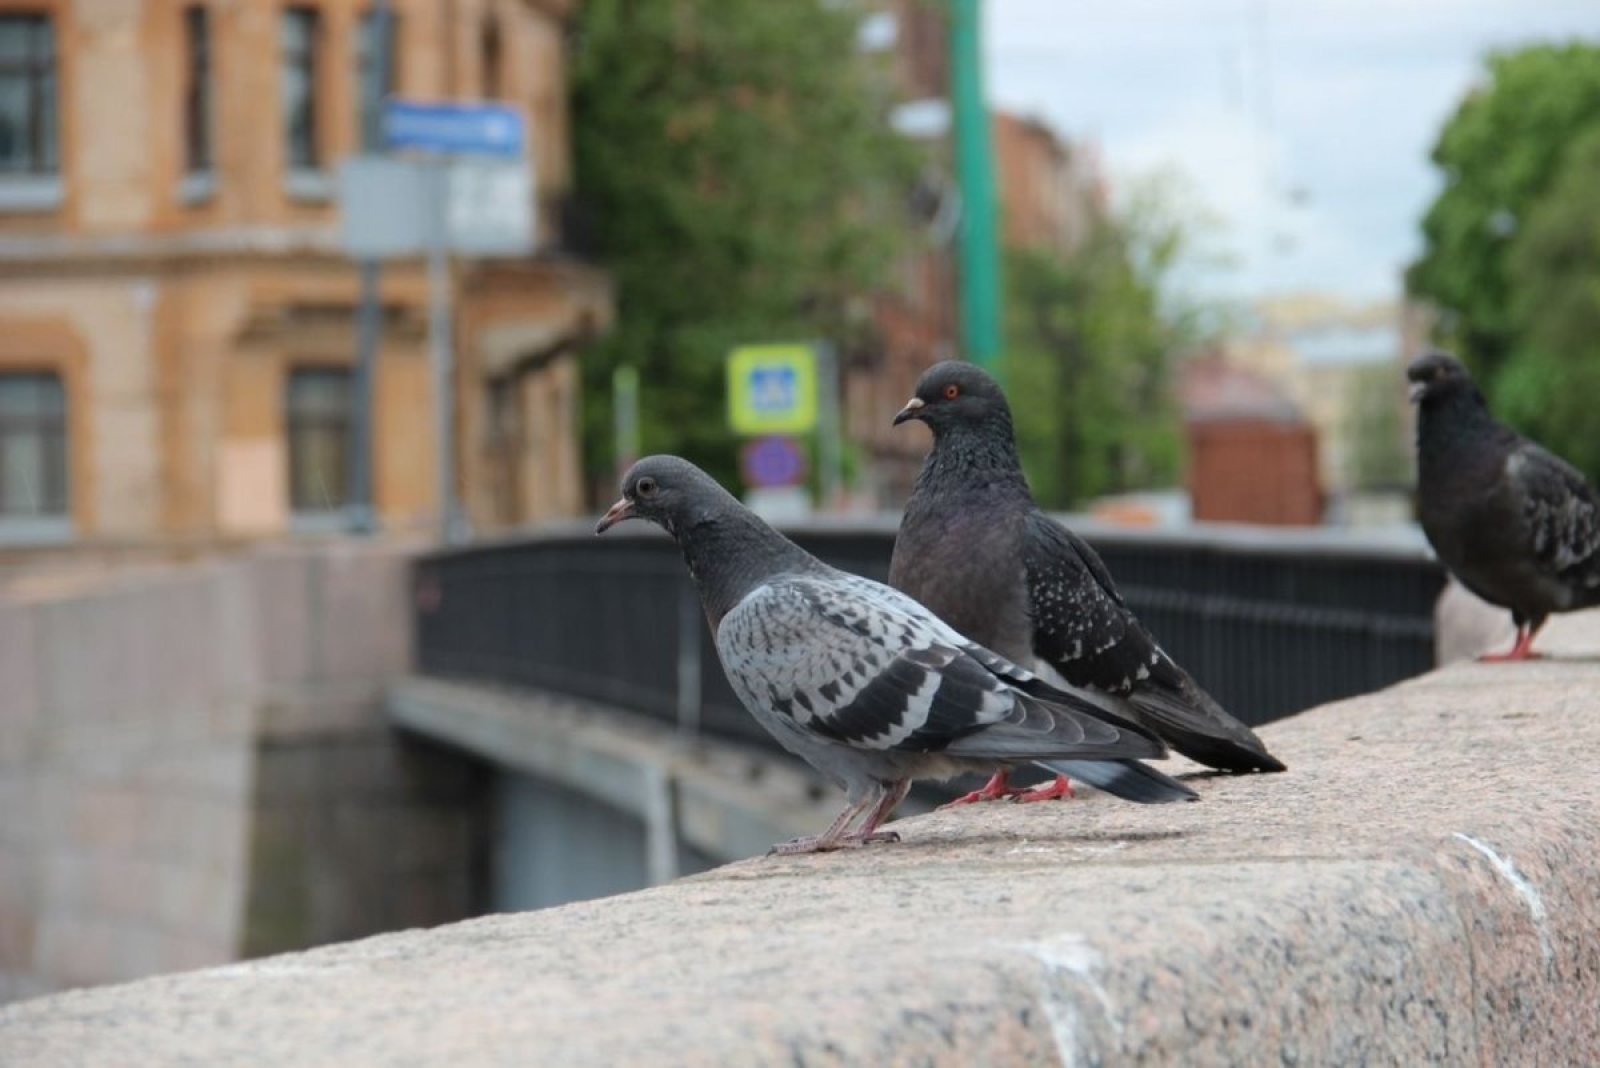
(193,768)
(1420,888)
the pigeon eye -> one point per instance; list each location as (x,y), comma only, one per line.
(952,391)
(646,487)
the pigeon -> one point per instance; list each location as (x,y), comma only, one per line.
(975,548)
(1517,525)
(861,681)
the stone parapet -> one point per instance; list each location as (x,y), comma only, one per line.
(1422,887)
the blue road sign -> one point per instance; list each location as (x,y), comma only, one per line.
(772,389)
(462,129)
(772,461)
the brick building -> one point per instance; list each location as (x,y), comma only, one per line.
(1051,192)
(1252,452)
(176,315)
(913,320)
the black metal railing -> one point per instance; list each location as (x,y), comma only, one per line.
(1270,622)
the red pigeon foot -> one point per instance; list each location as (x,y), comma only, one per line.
(1522,650)
(993,790)
(1060,790)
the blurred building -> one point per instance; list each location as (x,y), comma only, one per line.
(177,319)
(1051,192)
(1252,453)
(1342,364)
(912,322)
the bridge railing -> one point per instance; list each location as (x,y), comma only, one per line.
(1270,621)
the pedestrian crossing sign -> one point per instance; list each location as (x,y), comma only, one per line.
(772,389)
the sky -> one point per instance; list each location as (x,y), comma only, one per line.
(1303,125)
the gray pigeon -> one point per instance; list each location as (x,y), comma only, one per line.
(862,682)
(975,548)
(1517,525)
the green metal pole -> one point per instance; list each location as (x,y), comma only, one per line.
(979,246)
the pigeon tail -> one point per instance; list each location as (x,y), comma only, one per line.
(1192,722)
(1127,779)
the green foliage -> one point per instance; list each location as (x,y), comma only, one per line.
(1091,337)
(1498,154)
(744,186)
(1548,387)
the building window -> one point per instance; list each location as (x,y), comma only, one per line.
(197,92)
(319,439)
(28,144)
(489,49)
(374,80)
(33,446)
(302,27)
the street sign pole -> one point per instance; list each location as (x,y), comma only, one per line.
(437,203)
(829,447)
(362,515)
(625,417)
(440,350)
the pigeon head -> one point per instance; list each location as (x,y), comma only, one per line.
(1437,374)
(668,492)
(952,394)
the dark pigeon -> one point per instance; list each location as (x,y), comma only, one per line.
(974,547)
(1515,524)
(862,682)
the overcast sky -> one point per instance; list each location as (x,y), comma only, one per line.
(1254,99)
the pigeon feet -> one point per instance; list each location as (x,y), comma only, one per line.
(993,790)
(1060,790)
(1509,657)
(1522,650)
(820,843)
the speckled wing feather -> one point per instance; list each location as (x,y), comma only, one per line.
(1080,625)
(1082,629)
(1560,511)
(853,662)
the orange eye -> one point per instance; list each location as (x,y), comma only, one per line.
(952,391)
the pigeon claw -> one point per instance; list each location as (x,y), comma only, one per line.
(993,790)
(1060,790)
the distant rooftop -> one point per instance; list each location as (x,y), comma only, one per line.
(1211,389)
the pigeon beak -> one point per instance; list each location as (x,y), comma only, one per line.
(623,509)
(1415,390)
(912,410)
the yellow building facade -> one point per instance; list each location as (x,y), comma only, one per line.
(177,316)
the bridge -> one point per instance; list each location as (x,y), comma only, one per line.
(582,669)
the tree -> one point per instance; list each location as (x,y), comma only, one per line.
(1091,340)
(1548,386)
(743,184)
(1498,154)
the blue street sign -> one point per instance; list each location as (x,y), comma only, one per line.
(463,129)
(771,461)
(772,389)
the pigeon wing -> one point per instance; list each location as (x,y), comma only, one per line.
(852,662)
(1082,628)
(1080,624)
(1560,511)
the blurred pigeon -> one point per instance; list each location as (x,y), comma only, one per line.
(1517,525)
(975,548)
(865,684)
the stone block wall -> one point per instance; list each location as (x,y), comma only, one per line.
(193,768)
